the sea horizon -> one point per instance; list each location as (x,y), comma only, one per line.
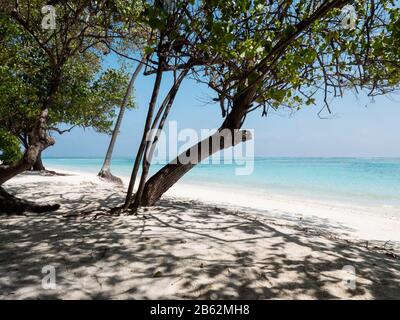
(372,181)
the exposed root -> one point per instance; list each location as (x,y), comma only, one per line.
(119,211)
(12,205)
(108,176)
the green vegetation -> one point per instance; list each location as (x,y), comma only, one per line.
(87,94)
(10,151)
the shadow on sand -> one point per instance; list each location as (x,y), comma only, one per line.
(183,249)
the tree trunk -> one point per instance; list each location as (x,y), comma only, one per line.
(172,172)
(105,171)
(38,165)
(151,145)
(167,176)
(8,172)
(12,205)
(40,141)
(146,130)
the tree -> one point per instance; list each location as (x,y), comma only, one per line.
(83,31)
(105,171)
(87,98)
(164,19)
(136,36)
(281,54)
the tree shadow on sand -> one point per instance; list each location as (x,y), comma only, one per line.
(183,249)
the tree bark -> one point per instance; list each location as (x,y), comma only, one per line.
(40,141)
(105,171)
(10,171)
(146,130)
(150,145)
(166,177)
(38,165)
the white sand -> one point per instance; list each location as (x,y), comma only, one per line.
(197,243)
(364,222)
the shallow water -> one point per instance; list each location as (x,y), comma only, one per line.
(371,180)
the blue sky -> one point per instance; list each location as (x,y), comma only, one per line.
(358,127)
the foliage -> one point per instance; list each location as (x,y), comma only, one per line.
(87,95)
(293,52)
(9,148)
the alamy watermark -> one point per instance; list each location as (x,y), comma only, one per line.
(49,279)
(349,17)
(206,146)
(349,277)
(49,18)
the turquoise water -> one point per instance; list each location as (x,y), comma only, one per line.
(374,180)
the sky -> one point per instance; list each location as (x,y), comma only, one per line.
(358,127)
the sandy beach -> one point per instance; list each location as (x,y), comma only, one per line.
(198,243)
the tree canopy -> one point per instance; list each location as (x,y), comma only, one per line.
(288,50)
(57,70)
(87,96)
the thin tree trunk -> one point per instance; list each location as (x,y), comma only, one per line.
(150,145)
(146,130)
(105,171)
(167,176)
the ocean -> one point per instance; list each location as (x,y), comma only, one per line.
(374,181)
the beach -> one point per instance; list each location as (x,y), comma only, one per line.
(199,242)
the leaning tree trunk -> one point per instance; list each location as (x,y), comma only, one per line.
(40,141)
(12,205)
(8,172)
(166,177)
(171,173)
(105,171)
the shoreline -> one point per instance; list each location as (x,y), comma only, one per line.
(351,181)
(367,223)
(359,221)
(186,248)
